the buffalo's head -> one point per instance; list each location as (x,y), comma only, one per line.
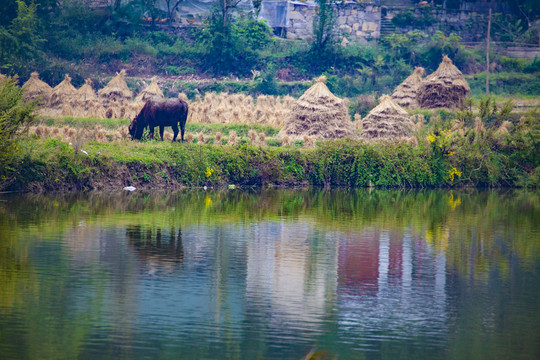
(134,130)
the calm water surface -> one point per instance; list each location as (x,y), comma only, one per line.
(272,274)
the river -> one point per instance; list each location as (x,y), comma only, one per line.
(276,274)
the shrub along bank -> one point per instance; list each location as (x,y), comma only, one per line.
(440,160)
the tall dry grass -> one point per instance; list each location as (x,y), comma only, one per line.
(76,135)
(226,108)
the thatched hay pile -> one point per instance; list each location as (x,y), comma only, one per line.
(387,121)
(2,77)
(151,91)
(86,103)
(62,97)
(35,88)
(446,87)
(318,113)
(63,93)
(405,94)
(116,90)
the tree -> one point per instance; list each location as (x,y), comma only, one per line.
(323,26)
(20,40)
(225,7)
(14,113)
(172,5)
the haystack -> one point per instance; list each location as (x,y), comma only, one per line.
(86,92)
(116,90)
(86,102)
(133,108)
(2,77)
(405,93)
(35,88)
(387,121)
(446,87)
(318,113)
(64,92)
(151,91)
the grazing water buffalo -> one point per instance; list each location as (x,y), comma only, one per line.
(168,112)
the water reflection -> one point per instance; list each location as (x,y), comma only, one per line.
(271,274)
(158,251)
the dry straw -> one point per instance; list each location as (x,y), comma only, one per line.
(151,91)
(318,113)
(35,88)
(233,138)
(310,141)
(479,126)
(201,139)
(445,88)
(86,102)
(405,94)
(418,121)
(262,139)
(63,93)
(218,138)
(387,121)
(504,129)
(252,135)
(357,122)
(116,90)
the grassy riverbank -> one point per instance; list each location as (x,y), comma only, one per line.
(441,159)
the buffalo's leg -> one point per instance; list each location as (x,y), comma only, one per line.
(182,128)
(151,132)
(175,131)
(161,130)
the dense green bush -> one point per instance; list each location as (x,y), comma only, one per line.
(14,114)
(232,46)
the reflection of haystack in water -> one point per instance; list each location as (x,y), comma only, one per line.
(35,88)
(116,90)
(86,103)
(446,87)
(387,121)
(63,94)
(405,93)
(318,113)
(151,91)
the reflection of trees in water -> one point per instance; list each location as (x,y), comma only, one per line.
(158,249)
(473,217)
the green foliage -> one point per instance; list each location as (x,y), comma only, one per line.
(505,83)
(266,83)
(410,19)
(323,27)
(533,66)
(513,64)
(507,28)
(20,41)
(14,114)
(232,46)
(439,45)
(403,45)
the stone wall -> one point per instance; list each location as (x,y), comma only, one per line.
(355,21)
(471,26)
